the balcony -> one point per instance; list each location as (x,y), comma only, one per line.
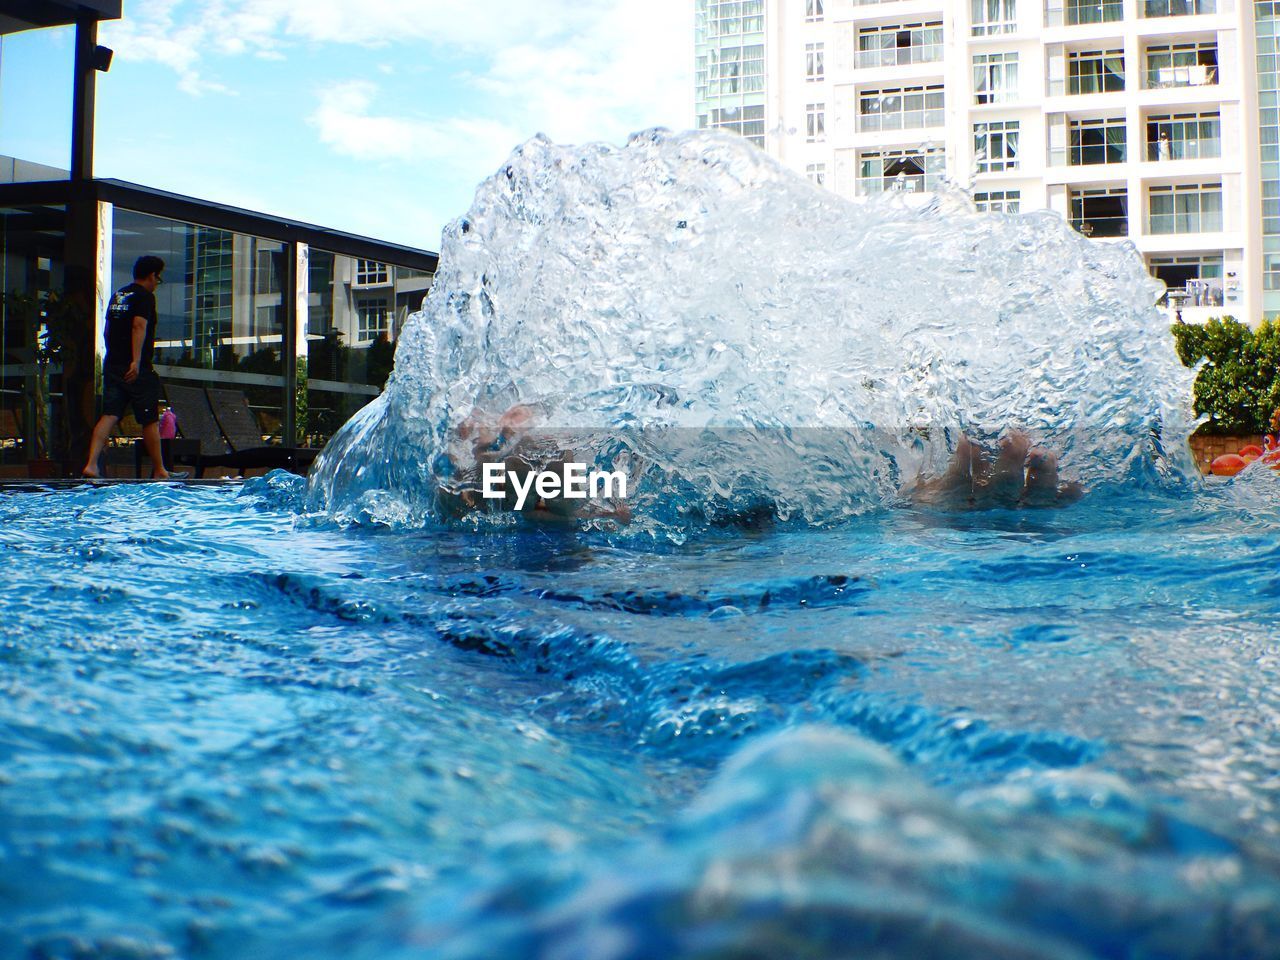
(1195,75)
(1101,213)
(1177,8)
(1091,72)
(900,56)
(1075,14)
(903,120)
(900,183)
(1096,147)
(1169,148)
(1185,209)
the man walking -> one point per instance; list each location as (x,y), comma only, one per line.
(127,375)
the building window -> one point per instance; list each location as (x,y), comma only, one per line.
(998,201)
(1197,278)
(901,108)
(1182,65)
(744,121)
(812,11)
(1184,136)
(733,18)
(909,171)
(375,319)
(1095,71)
(370,273)
(813,68)
(816,122)
(735,70)
(995,145)
(1271,271)
(817,173)
(1178,8)
(1186,208)
(995,77)
(266,321)
(266,278)
(993,17)
(900,44)
(1086,11)
(1097,141)
(1103,212)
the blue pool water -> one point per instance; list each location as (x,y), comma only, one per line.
(231,729)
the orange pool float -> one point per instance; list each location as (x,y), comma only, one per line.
(1251,450)
(1228,465)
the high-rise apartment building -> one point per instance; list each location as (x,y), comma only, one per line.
(1153,121)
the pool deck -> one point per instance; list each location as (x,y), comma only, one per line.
(25,485)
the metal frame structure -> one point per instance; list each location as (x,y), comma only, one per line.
(82,197)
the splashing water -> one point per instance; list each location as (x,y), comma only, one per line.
(750,338)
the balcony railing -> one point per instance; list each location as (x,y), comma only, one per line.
(1206,148)
(1196,293)
(916,183)
(1163,78)
(900,56)
(1178,8)
(1074,14)
(902,120)
(1112,226)
(1095,154)
(1203,221)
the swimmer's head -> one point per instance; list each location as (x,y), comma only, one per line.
(517,419)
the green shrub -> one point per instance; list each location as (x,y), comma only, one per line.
(1239,384)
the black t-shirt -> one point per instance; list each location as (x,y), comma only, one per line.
(129,302)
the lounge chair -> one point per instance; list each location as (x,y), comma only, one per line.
(228,433)
(240,427)
(10,429)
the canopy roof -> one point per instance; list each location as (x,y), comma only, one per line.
(16,15)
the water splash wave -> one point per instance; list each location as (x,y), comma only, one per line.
(751,339)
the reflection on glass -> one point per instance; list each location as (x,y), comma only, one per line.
(36,74)
(355,310)
(31,252)
(220,308)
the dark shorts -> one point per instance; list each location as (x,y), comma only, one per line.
(143,394)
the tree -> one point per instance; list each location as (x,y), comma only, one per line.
(1239,384)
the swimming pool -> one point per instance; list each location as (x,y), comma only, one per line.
(233,729)
(781,713)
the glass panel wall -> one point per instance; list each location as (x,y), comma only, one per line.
(1095,71)
(355,311)
(31,268)
(36,74)
(1184,136)
(1101,212)
(1178,8)
(1097,141)
(220,313)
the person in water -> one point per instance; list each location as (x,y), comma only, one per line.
(511,440)
(1020,475)
(1271,441)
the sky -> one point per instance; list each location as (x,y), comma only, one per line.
(377,117)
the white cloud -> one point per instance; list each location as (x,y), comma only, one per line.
(574,70)
(346,123)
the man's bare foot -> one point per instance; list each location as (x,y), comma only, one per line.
(90,473)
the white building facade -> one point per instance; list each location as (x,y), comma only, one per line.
(1151,121)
